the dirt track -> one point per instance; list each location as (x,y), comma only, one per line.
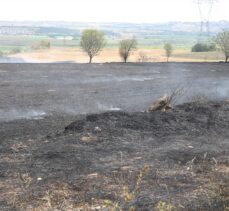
(145,161)
(33,90)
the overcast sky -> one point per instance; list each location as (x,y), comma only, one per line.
(108,10)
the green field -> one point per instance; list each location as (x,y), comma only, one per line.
(24,43)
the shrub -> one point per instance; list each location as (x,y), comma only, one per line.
(43,44)
(203,47)
(15,51)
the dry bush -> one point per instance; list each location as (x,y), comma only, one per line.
(128,194)
(167,101)
(56,197)
(164,206)
(175,95)
(42,44)
(142,57)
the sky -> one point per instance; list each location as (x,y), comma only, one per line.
(138,11)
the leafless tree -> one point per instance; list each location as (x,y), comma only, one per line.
(142,57)
(222,40)
(92,42)
(126,46)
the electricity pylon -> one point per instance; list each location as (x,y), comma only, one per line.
(205,8)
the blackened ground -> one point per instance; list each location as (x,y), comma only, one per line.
(37,90)
(175,160)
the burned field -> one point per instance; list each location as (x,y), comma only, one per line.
(174,160)
(113,160)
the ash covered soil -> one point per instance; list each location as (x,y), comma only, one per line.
(174,160)
(36,90)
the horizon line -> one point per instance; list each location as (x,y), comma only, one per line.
(64,21)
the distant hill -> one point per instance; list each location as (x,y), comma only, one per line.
(183,35)
(142,30)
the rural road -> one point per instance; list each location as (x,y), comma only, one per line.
(37,90)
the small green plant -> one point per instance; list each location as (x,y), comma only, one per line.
(164,206)
(114,206)
(127,194)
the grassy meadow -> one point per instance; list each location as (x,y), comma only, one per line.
(149,49)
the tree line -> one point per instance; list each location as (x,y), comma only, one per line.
(93,41)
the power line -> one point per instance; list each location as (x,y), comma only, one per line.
(205,8)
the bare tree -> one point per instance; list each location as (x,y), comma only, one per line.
(92,42)
(168,50)
(222,40)
(142,57)
(126,46)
